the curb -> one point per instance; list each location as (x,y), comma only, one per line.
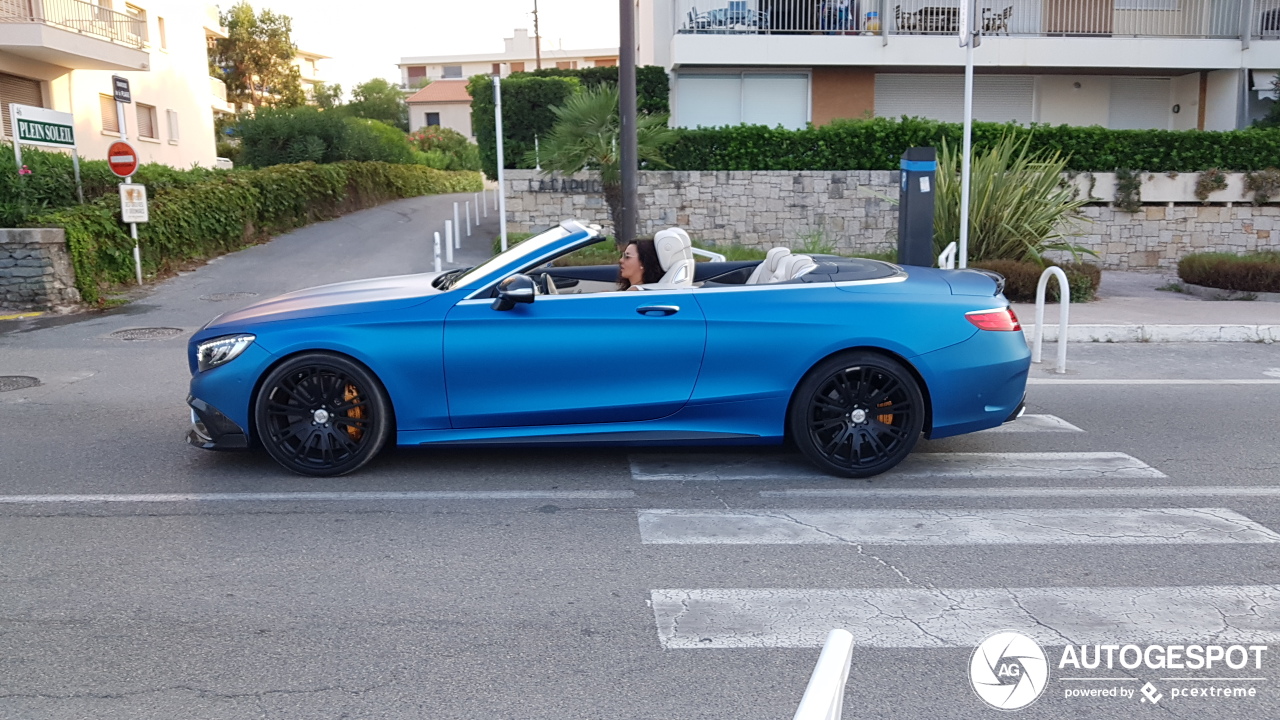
(1160,333)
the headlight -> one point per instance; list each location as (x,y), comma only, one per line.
(220,351)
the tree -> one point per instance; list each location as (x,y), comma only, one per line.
(585,136)
(255,60)
(326,96)
(378,99)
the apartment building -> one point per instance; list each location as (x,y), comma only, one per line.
(1168,64)
(519,55)
(61,54)
(307,63)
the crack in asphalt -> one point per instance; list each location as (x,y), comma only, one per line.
(202,692)
(857,545)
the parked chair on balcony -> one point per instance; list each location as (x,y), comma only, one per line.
(906,22)
(998,23)
(696,21)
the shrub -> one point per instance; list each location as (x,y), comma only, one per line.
(207,213)
(376,141)
(1256,272)
(1021,278)
(1018,208)
(451,147)
(527,104)
(275,136)
(878,143)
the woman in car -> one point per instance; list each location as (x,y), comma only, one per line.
(638,265)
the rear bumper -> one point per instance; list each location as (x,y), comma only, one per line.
(211,430)
(977,384)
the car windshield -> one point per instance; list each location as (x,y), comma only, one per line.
(528,247)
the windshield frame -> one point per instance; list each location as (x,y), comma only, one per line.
(525,254)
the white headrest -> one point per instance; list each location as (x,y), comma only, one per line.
(773,258)
(794,266)
(673,245)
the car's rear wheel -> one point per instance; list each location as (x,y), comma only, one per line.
(857,414)
(322,414)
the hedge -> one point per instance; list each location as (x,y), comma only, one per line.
(224,211)
(1257,272)
(878,144)
(527,99)
(1022,277)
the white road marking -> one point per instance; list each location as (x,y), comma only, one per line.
(320,496)
(1272,372)
(1035,423)
(1094,526)
(950,466)
(960,618)
(1149,381)
(1153,492)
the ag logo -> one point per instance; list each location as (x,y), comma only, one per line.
(1008,670)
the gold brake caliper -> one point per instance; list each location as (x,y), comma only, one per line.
(356,413)
(886,419)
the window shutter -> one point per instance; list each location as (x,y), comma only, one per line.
(773,100)
(1140,103)
(173,124)
(14,89)
(146,121)
(110,123)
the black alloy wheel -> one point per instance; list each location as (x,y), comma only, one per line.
(857,414)
(321,414)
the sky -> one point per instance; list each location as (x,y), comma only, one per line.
(367,38)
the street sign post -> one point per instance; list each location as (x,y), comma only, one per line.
(122,159)
(970,37)
(49,128)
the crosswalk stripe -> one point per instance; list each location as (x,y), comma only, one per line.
(1035,423)
(1090,526)
(320,496)
(961,617)
(949,466)
(1152,492)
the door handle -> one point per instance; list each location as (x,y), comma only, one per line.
(658,310)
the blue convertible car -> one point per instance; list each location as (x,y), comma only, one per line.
(850,359)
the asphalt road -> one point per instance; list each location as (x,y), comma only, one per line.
(561,584)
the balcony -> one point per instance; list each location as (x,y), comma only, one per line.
(1025,18)
(219,96)
(73,34)
(1132,34)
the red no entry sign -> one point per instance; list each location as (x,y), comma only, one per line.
(122,159)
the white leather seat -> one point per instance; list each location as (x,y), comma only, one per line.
(793,266)
(767,270)
(675,255)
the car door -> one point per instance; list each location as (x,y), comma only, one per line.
(567,359)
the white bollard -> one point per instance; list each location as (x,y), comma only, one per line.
(476,197)
(484,201)
(448,240)
(437,258)
(824,697)
(1064,307)
(457,228)
(468,209)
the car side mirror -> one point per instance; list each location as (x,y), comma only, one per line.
(515,289)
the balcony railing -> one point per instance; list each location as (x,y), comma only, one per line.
(77,16)
(1026,18)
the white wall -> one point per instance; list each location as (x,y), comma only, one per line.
(1062,103)
(1222,100)
(455,116)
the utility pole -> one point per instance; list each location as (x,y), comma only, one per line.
(628,161)
(537,38)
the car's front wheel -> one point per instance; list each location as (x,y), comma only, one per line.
(857,414)
(322,414)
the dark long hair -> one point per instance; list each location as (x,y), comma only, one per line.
(648,254)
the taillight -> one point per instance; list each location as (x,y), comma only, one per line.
(997,319)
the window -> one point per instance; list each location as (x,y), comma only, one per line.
(517,67)
(146,121)
(137,28)
(172,116)
(164,41)
(497,69)
(416,72)
(733,98)
(110,122)
(567,65)
(606,62)
(14,89)
(452,71)
(433,118)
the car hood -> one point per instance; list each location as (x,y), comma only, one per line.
(387,293)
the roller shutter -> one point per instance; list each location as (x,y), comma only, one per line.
(1000,98)
(1141,104)
(14,89)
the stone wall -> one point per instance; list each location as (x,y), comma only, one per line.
(35,269)
(850,209)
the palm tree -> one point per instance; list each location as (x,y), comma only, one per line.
(585,137)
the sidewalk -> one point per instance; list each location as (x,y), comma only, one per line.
(1129,308)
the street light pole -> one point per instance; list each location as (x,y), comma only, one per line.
(537,38)
(970,37)
(627,145)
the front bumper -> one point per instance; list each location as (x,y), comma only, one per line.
(211,430)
